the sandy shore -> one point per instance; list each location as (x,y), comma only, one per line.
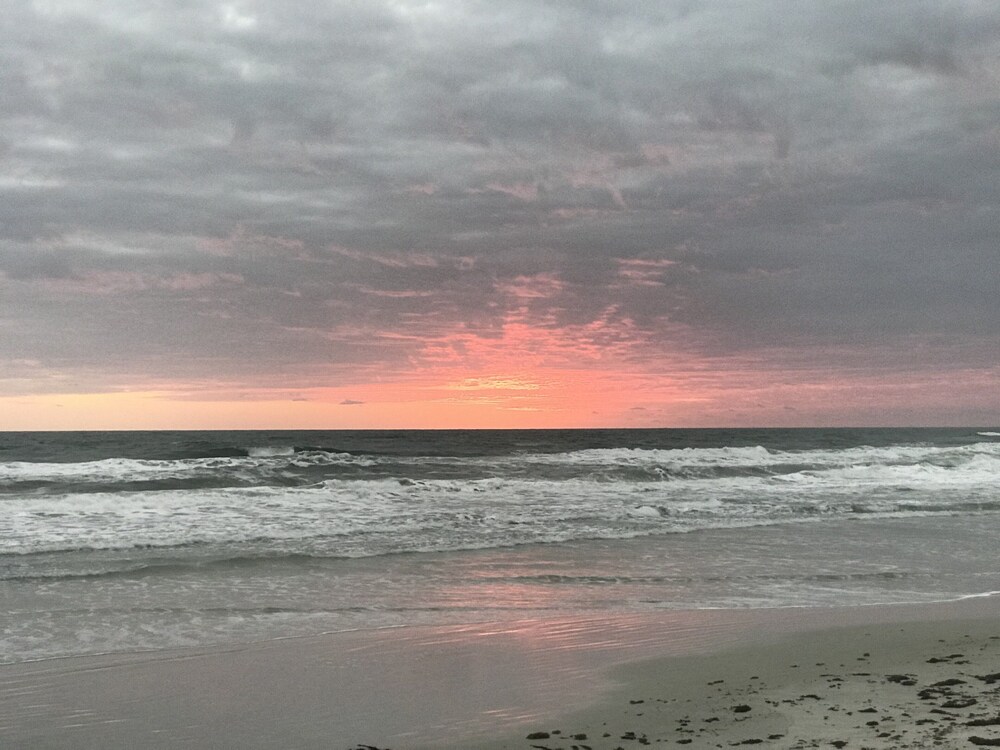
(891,685)
(870,677)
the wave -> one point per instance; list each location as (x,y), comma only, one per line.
(128,568)
(270,451)
(600,580)
(258,451)
(434,517)
(288,499)
(265,463)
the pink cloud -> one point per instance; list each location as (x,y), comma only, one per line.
(242,243)
(525,191)
(643,272)
(390,259)
(117,282)
(392,293)
(538,286)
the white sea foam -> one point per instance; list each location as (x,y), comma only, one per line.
(671,462)
(375,516)
(341,504)
(981,457)
(127,469)
(714,456)
(270,451)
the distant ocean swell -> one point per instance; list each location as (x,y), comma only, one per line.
(276,501)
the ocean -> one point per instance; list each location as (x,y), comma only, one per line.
(132,541)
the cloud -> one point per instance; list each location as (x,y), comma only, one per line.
(336,189)
(350,402)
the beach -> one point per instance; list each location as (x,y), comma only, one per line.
(877,677)
(412,375)
(886,684)
(411,590)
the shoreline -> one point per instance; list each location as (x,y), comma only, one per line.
(888,684)
(488,685)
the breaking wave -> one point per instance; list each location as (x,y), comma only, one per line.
(305,500)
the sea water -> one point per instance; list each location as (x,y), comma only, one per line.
(126,541)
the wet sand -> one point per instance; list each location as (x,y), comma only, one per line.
(863,676)
(886,686)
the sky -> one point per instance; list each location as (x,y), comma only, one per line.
(499,213)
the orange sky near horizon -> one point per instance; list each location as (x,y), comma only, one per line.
(553,398)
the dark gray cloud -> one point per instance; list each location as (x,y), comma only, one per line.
(225,190)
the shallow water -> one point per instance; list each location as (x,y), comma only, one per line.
(371,686)
(117,542)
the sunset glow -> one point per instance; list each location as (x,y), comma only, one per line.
(639,222)
(551,398)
